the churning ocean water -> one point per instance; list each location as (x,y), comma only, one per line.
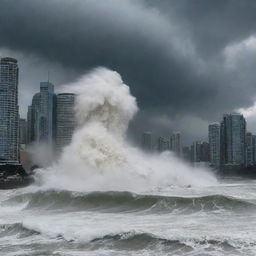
(104,196)
(214,220)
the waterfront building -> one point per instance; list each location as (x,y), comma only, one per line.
(162,144)
(42,115)
(214,144)
(9,110)
(204,152)
(186,154)
(249,149)
(65,119)
(233,128)
(195,152)
(30,125)
(175,143)
(254,148)
(146,142)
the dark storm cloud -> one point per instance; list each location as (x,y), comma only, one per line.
(211,24)
(171,53)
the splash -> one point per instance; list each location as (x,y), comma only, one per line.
(99,156)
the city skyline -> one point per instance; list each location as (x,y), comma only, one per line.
(50,119)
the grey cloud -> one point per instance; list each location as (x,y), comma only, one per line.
(169,52)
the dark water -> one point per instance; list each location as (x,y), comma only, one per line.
(218,220)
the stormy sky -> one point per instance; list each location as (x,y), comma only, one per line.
(186,61)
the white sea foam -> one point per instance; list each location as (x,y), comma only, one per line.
(99,156)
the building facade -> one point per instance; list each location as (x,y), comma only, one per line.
(195,152)
(214,144)
(249,149)
(9,110)
(175,143)
(233,148)
(162,144)
(30,125)
(65,119)
(146,142)
(42,115)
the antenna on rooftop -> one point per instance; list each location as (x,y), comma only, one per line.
(48,76)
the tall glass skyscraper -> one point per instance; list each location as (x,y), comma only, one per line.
(147,141)
(41,115)
(65,119)
(9,111)
(233,129)
(175,143)
(30,125)
(214,142)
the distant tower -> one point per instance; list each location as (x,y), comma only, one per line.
(147,141)
(175,143)
(214,142)
(196,152)
(233,128)
(41,115)
(9,110)
(249,150)
(65,119)
(163,144)
(205,152)
(30,125)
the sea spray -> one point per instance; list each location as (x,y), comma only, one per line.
(99,156)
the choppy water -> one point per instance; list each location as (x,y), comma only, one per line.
(217,220)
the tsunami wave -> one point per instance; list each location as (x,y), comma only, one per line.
(99,157)
(126,201)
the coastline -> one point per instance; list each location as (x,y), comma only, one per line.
(14,176)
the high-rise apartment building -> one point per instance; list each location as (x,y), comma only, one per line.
(175,143)
(162,144)
(30,125)
(9,111)
(233,128)
(205,152)
(147,141)
(195,152)
(249,149)
(214,143)
(41,115)
(65,119)
(186,153)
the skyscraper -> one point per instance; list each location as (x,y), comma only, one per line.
(175,143)
(205,152)
(30,125)
(45,119)
(41,115)
(147,141)
(249,149)
(196,152)
(214,142)
(233,128)
(9,110)
(186,153)
(162,144)
(65,119)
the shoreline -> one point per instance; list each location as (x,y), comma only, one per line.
(14,176)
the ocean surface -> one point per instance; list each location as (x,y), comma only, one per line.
(213,220)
